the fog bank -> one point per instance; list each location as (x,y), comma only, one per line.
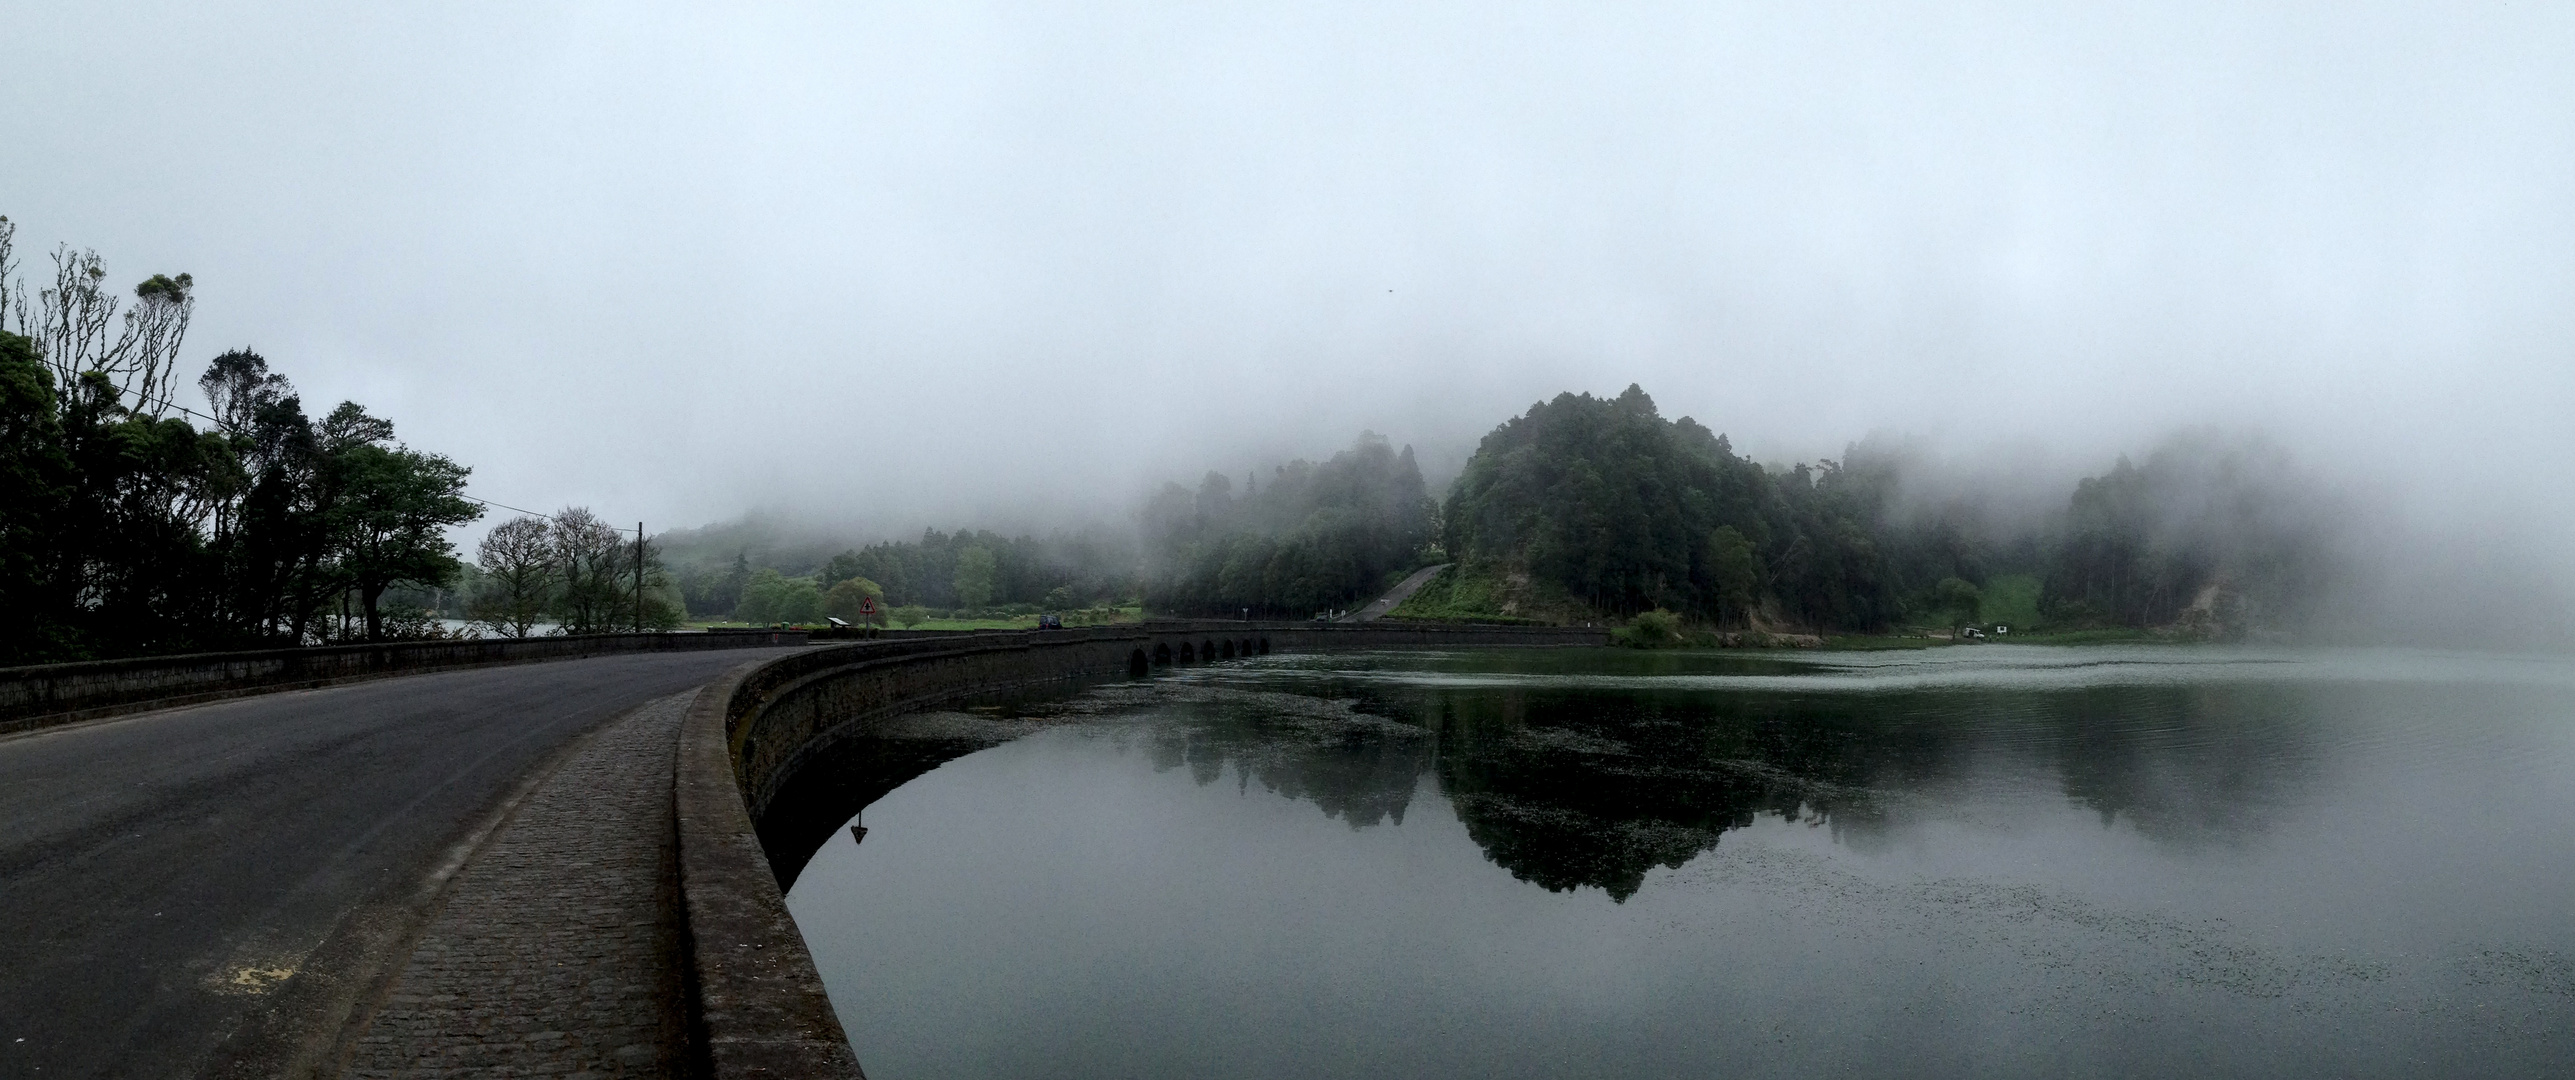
(1012,267)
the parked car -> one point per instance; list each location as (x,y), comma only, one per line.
(1050,622)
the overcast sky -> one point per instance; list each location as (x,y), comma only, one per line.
(1003,264)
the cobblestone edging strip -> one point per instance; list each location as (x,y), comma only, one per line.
(45,695)
(556,950)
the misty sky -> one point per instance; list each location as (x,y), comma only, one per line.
(897,265)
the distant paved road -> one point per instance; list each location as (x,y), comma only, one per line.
(1396,596)
(208,890)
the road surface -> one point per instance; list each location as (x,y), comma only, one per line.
(1396,596)
(212,890)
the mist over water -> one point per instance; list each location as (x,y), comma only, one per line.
(984,266)
(1969,862)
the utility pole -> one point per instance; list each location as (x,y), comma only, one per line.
(639,577)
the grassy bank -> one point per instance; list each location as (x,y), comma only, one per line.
(2011,600)
(1480,595)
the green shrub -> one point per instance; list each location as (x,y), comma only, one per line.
(1654,629)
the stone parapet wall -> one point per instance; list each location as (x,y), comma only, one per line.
(47,694)
(757,1004)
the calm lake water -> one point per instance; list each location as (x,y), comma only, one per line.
(1995,861)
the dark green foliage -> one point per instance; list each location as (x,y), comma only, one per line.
(716,564)
(1958,599)
(1652,629)
(1458,596)
(1313,537)
(36,490)
(393,512)
(1626,511)
(1619,507)
(1734,574)
(772,597)
(130,533)
(976,570)
(981,570)
(2209,527)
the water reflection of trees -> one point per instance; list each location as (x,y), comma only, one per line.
(2191,765)
(1568,788)
(1355,765)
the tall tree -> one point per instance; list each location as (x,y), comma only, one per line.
(976,571)
(593,593)
(271,531)
(36,491)
(517,560)
(394,507)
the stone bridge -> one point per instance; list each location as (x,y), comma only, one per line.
(760,1005)
(490,870)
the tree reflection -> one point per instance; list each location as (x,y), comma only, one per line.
(1568,789)
(2187,765)
(1355,765)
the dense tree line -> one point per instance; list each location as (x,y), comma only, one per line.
(1314,537)
(571,573)
(970,571)
(127,529)
(2209,529)
(1606,504)
(1622,511)
(980,570)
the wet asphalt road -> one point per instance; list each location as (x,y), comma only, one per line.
(168,880)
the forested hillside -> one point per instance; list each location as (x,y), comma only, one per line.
(1591,506)
(2143,545)
(133,523)
(1307,538)
(1603,502)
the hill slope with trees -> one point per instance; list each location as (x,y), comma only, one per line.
(1313,537)
(1590,507)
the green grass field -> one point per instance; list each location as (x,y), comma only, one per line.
(1456,596)
(2013,601)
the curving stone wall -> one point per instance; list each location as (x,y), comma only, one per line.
(757,1006)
